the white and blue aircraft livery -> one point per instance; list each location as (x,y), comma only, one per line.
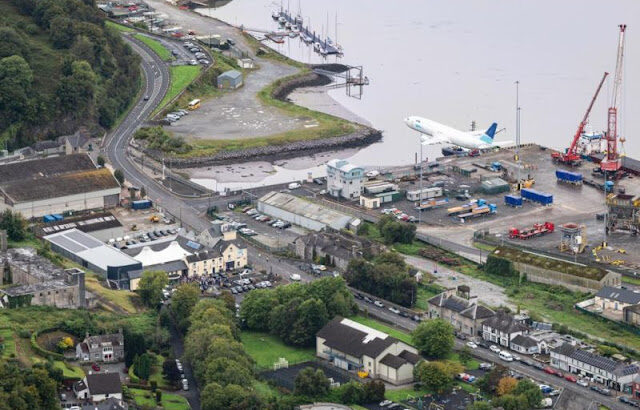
(436,133)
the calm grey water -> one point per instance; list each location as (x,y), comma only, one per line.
(457,61)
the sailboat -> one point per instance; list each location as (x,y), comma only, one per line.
(275,14)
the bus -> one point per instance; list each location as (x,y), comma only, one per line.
(194,105)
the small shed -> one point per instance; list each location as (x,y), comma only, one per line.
(230,80)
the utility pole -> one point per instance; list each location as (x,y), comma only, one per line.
(517,156)
(420,195)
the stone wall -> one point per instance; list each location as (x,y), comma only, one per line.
(571,282)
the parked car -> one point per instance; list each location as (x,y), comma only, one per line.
(394,310)
(605,392)
(570,378)
(95,367)
(185,384)
(472,345)
(378,304)
(485,366)
(549,370)
(368,299)
(494,349)
(583,383)
(545,389)
(385,403)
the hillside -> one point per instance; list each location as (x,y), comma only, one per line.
(60,68)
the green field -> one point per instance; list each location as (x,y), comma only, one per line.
(156,46)
(266,349)
(68,370)
(118,27)
(169,401)
(181,77)
(9,343)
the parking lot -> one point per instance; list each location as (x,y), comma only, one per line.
(269,231)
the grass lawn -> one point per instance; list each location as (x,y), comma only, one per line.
(169,401)
(118,27)
(9,343)
(404,394)
(156,46)
(426,292)
(181,77)
(266,349)
(128,301)
(630,280)
(398,334)
(156,373)
(68,370)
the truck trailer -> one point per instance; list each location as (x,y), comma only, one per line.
(532,195)
(486,209)
(537,230)
(574,178)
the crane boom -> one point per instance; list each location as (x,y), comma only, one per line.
(612,160)
(583,123)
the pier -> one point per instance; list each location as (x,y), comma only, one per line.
(323,46)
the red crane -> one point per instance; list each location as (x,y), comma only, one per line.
(571,157)
(612,161)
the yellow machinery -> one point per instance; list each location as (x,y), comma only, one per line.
(362,374)
(154,218)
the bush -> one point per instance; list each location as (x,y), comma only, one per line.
(43,352)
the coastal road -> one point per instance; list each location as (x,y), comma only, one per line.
(581,393)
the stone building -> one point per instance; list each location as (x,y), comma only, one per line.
(101,348)
(337,247)
(462,311)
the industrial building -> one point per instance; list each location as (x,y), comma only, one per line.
(55,186)
(102,226)
(302,212)
(355,347)
(344,180)
(120,270)
(230,80)
(35,281)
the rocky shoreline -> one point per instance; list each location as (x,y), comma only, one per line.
(362,136)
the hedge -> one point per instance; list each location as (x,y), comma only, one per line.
(43,352)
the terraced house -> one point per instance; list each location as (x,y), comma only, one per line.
(463,312)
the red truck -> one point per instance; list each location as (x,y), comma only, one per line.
(537,230)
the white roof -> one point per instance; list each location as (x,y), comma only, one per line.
(90,249)
(371,333)
(171,253)
(342,165)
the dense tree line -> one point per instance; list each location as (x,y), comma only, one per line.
(60,67)
(14,224)
(297,311)
(386,276)
(394,231)
(29,388)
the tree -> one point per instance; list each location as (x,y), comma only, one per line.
(183,301)
(506,385)
(231,397)
(312,316)
(511,402)
(119,176)
(100,160)
(65,343)
(312,383)
(142,366)
(489,382)
(480,405)
(150,287)
(170,371)
(256,309)
(14,224)
(530,391)
(465,355)
(143,192)
(434,338)
(136,346)
(374,391)
(351,393)
(224,371)
(61,32)
(434,375)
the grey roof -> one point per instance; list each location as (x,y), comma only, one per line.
(505,323)
(411,357)
(460,305)
(47,144)
(478,312)
(30,289)
(104,383)
(306,209)
(44,167)
(523,341)
(234,74)
(115,339)
(86,223)
(600,362)
(172,266)
(393,361)
(620,295)
(78,139)
(352,341)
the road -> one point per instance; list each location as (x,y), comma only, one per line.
(488,356)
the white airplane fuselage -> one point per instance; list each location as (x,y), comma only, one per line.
(437,133)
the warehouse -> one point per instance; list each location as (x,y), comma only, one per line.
(118,268)
(302,212)
(102,226)
(56,186)
(230,80)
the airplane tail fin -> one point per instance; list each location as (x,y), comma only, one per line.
(491,131)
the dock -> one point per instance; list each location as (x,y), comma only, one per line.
(323,46)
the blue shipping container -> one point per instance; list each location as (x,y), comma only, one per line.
(568,176)
(142,204)
(513,200)
(48,218)
(536,196)
(57,217)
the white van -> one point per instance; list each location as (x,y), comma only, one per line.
(294,185)
(295,277)
(506,356)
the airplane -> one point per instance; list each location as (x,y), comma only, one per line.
(435,133)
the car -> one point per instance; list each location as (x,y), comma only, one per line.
(95,367)
(485,366)
(545,389)
(234,291)
(385,403)
(185,384)
(318,181)
(404,314)
(231,42)
(295,277)
(146,98)
(526,361)
(358,296)
(506,356)
(559,374)
(516,357)
(538,365)
(294,185)
(368,299)
(494,349)
(204,61)
(372,174)
(605,392)
(378,304)
(74,408)
(549,370)
(624,399)
(583,383)
(570,378)
(595,389)
(472,345)
(416,318)
(555,392)
(193,62)
(394,310)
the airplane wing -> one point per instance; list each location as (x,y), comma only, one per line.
(436,139)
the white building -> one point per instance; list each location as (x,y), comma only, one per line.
(502,329)
(98,387)
(56,185)
(344,180)
(355,347)
(616,375)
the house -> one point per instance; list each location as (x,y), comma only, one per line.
(109,404)
(525,345)
(76,143)
(352,346)
(338,248)
(344,180)
(99,387)
(631,315)
(48,147)
(230,80)
(615,375)
(218,231)
(635,387)
(463,312)
(616,299)
(101,348)
(502,328)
